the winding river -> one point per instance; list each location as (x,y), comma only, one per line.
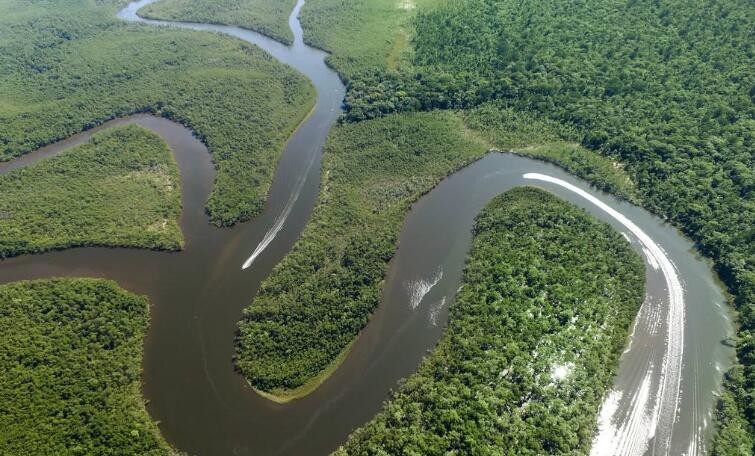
(660,403)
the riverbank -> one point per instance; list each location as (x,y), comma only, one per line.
(119,189)
(533,339)
(284,396)
(87,67)
(266,17)
(70,370)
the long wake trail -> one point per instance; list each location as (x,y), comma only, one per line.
(629,432)
(281,219)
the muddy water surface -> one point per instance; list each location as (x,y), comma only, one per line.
(204,407)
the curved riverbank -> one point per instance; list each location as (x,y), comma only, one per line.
(632,436)
(283,396)
(204,407)
(196,170)
(51,331)
(120,188)
(533,340)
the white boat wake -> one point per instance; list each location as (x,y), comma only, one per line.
(418,289)
(435,311)
(278,225)
(629,430)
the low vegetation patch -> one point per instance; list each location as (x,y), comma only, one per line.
(269,17)
(119,189)
(361,35)
(322,294)
(70,365)
(533,341)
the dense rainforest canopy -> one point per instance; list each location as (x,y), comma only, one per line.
(652,100)
(265,16)
(665,88)
(70,365)
(69,65)
(121,188)
(533,339)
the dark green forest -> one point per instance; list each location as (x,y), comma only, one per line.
(121,188)
(533,339)
(652,100)
(265,16)
(323,292)
(666,88)
(70,370)
(317,299)
(69,65)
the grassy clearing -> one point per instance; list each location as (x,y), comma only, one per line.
(533,341)
(74,66)
(121,188)
(362,35)
(70,369)
(310,309)
(269,17)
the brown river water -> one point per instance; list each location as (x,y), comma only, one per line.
(660,403)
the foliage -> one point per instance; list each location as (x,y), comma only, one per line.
(507,128)
(666,88)
(361,35)
(378,92)
(545,140)
(119,189)
(534,339)
(73,65)
(734,437)
(70,364)
(317,299)
(269,17)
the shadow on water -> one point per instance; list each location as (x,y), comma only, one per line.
(197,295)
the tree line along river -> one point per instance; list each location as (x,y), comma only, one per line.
(662,398)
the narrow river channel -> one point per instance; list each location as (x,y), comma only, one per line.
(204,407)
